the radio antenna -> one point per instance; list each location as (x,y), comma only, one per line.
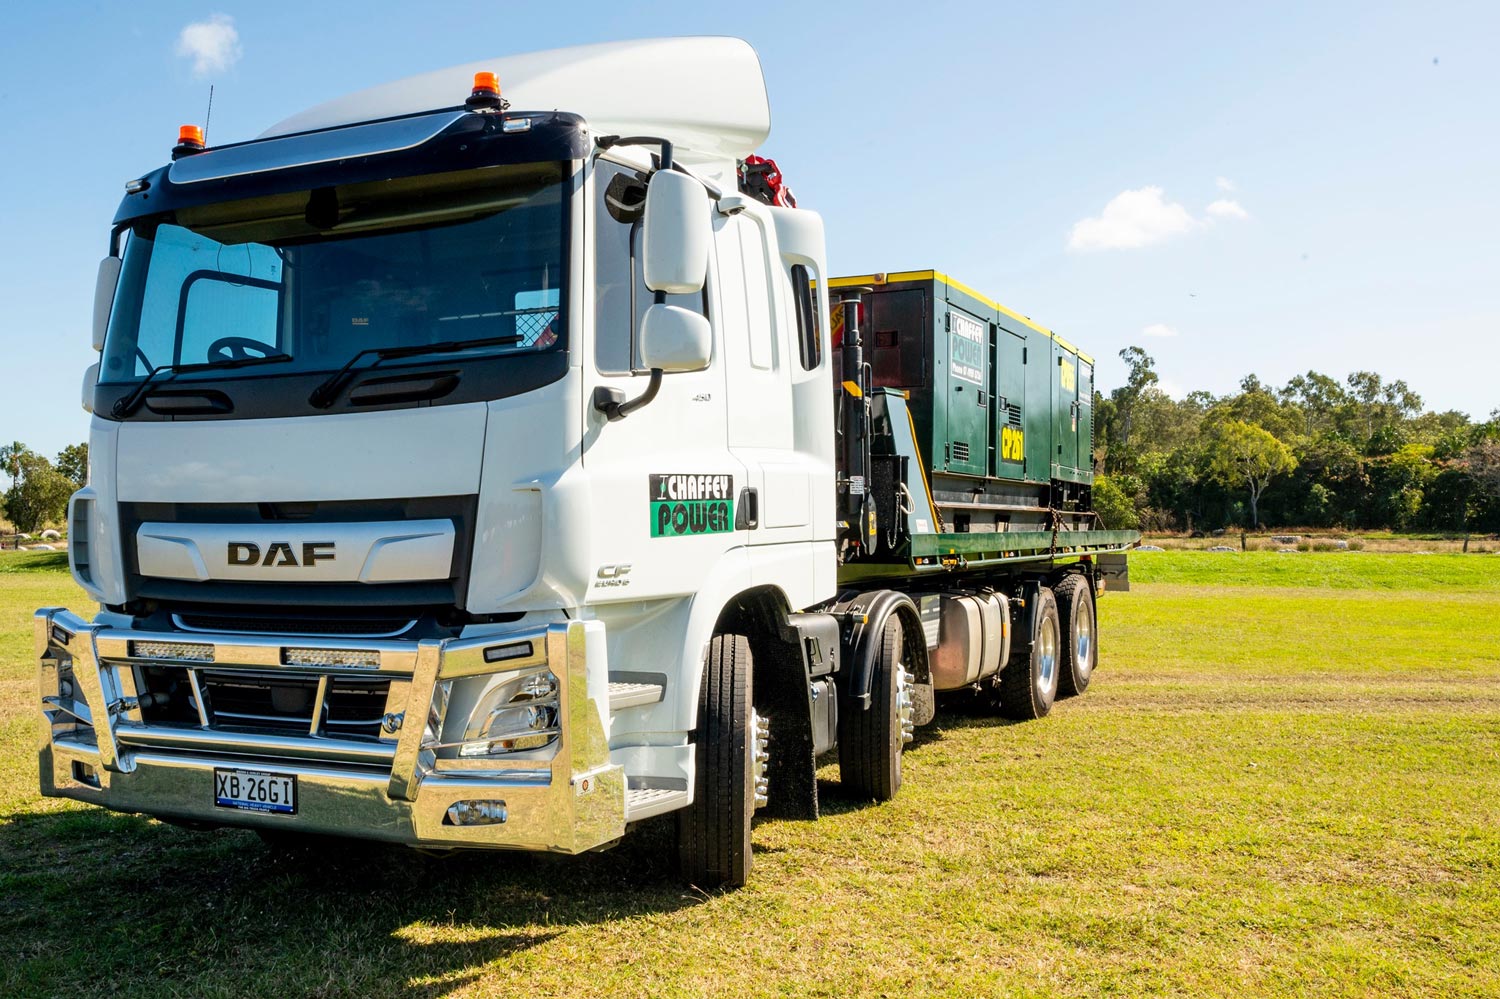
(210,113)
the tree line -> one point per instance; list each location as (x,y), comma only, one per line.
(1316,452)
(39,488)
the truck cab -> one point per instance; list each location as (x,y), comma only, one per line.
(385,541)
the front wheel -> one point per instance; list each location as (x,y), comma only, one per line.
(1028,683)
(713,833)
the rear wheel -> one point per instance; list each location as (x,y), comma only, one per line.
(1080,651)
(871,741)
(713,832)
(1028,683)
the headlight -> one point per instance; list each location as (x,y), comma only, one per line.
(502,713)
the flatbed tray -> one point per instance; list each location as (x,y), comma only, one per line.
(965,552)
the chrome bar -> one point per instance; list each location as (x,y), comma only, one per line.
(248,743)
(404,775)
(320,704)
(391,788)
(511,736)
(258,652)
(91,680)
(192,675)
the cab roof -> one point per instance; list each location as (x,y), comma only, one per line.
(705,94)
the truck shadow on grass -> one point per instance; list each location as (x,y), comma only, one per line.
(92,902)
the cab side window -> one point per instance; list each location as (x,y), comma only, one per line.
(620,294)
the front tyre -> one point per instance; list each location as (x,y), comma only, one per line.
(871,741)
(1080,651)
(1028,683)
(713,833)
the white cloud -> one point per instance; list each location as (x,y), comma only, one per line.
(1224,184)
(213,44)
(1159,329)
(1225,208)
(1131,219)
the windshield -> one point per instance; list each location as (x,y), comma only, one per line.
(322,275)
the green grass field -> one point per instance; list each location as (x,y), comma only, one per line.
(1285,780)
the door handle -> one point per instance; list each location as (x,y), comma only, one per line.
(747,510)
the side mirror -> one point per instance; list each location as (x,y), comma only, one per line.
(90,379)
(675,234)
(104,297)
(675,339)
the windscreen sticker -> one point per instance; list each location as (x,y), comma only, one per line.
(684,504)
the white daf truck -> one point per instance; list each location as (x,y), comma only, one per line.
(484,463)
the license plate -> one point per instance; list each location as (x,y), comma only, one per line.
(256,791)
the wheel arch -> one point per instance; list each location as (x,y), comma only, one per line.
(782,693)
(865,614)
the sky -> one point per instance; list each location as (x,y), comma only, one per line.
(1265,188)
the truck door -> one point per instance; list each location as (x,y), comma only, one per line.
(662,481)
(968,406)
(755,314)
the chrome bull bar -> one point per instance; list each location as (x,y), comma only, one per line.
(99,746)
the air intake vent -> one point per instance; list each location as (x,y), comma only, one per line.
(78,540)
(363,627)
(1013,415)
(276,703)
(961,451)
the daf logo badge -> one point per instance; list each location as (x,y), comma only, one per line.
(279,554)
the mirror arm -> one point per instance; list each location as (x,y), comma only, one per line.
(667,161)
(611,401)
(610,141)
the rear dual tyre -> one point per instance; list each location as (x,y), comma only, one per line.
(1080,653)
(1029,681)
(871,741)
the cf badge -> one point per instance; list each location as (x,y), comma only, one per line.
(613,575)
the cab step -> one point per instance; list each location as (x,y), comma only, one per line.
(634,690)
(644,802)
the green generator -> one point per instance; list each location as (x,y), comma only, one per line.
(980,422)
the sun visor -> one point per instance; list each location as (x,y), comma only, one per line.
(307,150)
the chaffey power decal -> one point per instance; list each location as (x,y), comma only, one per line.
(686,504)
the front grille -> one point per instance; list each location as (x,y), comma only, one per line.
(268,702)
(223,597)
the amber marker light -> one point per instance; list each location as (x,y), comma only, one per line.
(486,93)
(189,141)
(486,83)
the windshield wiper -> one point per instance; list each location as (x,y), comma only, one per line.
(128,404)
(325,394)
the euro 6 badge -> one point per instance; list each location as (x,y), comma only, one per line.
(685,504)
